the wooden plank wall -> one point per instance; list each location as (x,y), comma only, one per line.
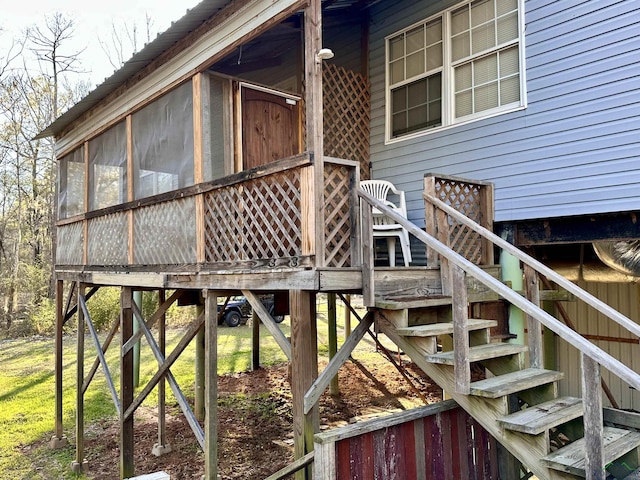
(449,445)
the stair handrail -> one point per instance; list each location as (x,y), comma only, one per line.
(571,287)
(578,341)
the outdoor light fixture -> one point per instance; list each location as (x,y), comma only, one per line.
(324,54)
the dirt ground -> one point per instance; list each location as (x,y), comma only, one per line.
(255,421)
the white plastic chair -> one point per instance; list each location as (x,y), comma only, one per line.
(383,226)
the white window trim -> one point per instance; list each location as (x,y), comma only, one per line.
(447,85)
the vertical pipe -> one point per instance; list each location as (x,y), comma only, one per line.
(200,367)
(137,299)
(211,387)
(162,446)
(332,315)
(255,341)
(347,319)
(511,272)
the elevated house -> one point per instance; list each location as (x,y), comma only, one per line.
(227,155)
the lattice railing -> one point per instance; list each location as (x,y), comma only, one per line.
(165,233)
(108,239)
(472,199)
(70,244)
(259,219)
(346,110)
(253,220)
(340,215)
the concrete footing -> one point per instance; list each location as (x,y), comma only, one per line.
(58,442)
(159,450)
(79,467)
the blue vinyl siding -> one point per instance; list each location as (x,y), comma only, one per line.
(575,149)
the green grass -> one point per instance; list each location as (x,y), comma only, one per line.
(27,390)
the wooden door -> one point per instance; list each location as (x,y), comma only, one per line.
(270,127)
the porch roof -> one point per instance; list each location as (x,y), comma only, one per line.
(164,41)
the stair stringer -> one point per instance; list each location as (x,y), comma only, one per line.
(528,449)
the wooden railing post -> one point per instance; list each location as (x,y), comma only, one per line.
(486,216)
(430,218)
(442,224)
(462,368)
(534,328)
(354,212)
(368,293)
(593,418)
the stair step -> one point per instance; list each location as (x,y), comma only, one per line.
(396,303)
(571,459)
(513,382)
(539,418)
(480,352)
(435,329)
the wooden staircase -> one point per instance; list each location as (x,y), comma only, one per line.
(525,432)
(517,400)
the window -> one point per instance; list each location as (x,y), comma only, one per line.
(458,66)
(163,143)
(108,168)
(71,184)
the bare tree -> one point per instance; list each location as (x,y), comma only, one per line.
(124,40)
(49,44)
(7,57)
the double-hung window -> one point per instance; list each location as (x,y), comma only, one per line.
(460,65)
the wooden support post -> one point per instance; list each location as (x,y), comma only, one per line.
(137,298)
(162,446)
(78,464)
(462,367)
(199,368)
(593,419)
(126,385)
(534,328)
(314,125)
(59,440)
(211,387)
(332,321)
(255,341)
(304,371)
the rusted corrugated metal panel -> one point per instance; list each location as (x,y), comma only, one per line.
(608,335)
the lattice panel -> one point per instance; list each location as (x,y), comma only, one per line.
(466,198)
(108,240)
(257,220)
(70,244)
(347,107)
(165,234)
(337,215)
